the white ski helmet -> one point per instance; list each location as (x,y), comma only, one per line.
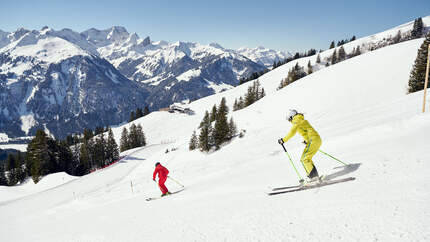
(292,113)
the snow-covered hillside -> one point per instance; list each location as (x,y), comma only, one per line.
(359,107)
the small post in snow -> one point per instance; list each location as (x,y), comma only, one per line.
(131,184)
(427,78)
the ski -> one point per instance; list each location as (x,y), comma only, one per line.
(283,188)
(310,186)
(155,198)
(322,178)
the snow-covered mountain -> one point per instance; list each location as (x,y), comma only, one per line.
(163,73)
(47,82)
(176,71)
(263,55)
(360,109)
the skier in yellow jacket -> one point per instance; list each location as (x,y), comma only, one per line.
(312,141)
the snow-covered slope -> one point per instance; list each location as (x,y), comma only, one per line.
(360,109)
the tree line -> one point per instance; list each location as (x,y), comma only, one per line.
(214,129)
(254,93)
(296,56)
(133,138)
(138,113)
(76,155)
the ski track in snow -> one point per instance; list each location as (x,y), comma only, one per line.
(383,134)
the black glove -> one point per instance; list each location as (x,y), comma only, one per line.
(280,141)
(304,142)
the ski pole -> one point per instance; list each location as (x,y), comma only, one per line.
(175,181)
(291,161)
(333,158)
(157,184)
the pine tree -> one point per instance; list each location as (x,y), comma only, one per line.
(397,38)
(84,158)
(11,166)
(21,169)
(139,113)
(332,45)
(417,30)
(223,108)
(205,133)
(38,156)
(112,152)
(141,136)
(98,130)
(334,57)
(318,59)
(418,73)
(132,117)
(213,113)
(235,105)
(310,69)
(67,161)
(3,180)
(221,131)
(100,150)
(193,141)
(146,111)
(249,97)
(88,134)
(124,143)
(240,104)
(357,51)
(353,38)
(342,54)
(232,129)
(294,74)
(133,136)
(262,93)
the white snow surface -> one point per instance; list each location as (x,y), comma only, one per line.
(20,147)
(28,187)
(186,76)
(360,109)
(49,49)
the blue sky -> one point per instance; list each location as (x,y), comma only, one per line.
(282,25)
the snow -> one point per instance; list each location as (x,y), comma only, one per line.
(20,147)
(188,75)
(29,187)
(49,49)
(4,137)
(27,121)
(359,107)
(218,87)
(263,56)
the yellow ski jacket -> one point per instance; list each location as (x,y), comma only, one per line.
(303,127)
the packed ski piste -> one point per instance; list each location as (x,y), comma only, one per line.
(312,140)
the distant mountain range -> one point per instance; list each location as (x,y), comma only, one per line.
(64,81)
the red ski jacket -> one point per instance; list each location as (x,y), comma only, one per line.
(161,171)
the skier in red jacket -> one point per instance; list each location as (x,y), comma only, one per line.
(162,177)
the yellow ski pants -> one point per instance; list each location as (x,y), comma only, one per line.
(311,149)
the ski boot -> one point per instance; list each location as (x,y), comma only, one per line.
(313,178)
(165,194)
